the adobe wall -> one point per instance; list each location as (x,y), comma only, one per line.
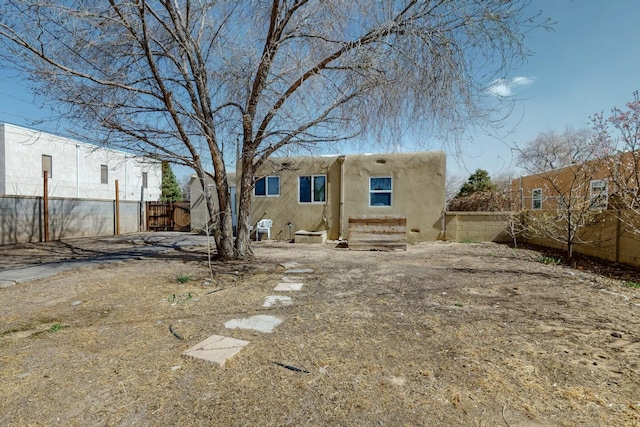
(286,209)
(418,181)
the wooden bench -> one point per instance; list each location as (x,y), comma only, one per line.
(377,232)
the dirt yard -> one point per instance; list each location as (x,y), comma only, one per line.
(442,334)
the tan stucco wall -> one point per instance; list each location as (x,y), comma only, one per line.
(286,208)
(559,181)
(418,181)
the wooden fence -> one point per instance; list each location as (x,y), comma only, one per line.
(168,216)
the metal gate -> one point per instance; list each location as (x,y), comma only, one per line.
(168,216)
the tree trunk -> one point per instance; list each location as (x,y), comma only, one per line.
(222,220)
(569,254)
(243,240)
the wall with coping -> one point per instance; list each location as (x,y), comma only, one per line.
(476,226)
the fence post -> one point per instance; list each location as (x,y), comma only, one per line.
(618,235)
(45,202)
(141,226)
(117,210)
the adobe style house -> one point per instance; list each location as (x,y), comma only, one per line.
(319,193)
(584,183)
(75,169)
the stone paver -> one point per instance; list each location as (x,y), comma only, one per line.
(272,300)
(299,271)
(288,286)
(290,264)
(261,322)
(216,349)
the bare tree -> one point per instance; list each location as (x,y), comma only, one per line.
(621,132)
(571,195)
(453,184)
(553,150)
(201,82)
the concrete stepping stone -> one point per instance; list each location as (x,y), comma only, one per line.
(272,300)
(298,271)
(216,349)
(290,279)
(261,322)
(290,264)
(288,286)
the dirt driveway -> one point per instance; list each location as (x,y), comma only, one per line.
(442,334)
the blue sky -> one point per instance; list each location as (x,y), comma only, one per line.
(588,64)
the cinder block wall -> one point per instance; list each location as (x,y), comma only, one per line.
(476,226)
(608,237)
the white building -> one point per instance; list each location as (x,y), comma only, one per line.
(75,169)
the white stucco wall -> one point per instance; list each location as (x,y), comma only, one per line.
(2,163)
(76,168)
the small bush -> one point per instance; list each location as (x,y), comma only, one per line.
(178,299)
(183,278)
(56,327)
(634,285)
(549,260)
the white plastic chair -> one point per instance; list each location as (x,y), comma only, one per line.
(262,226)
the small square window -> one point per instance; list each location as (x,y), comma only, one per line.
(380,189)
(104,174)
(267,186)
(47,165)
(536,198)
(599,195)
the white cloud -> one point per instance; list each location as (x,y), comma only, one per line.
(521,81)
(503,87)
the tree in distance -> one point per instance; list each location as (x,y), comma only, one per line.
(478,181)
(170,189)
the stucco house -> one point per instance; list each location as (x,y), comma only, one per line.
(320,193)
(75,169)
(586,183)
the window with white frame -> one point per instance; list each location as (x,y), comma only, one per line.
(104,174)
(536,198)
(599,194)
(312,189)
(267,186)
(380,190)
(47,164)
